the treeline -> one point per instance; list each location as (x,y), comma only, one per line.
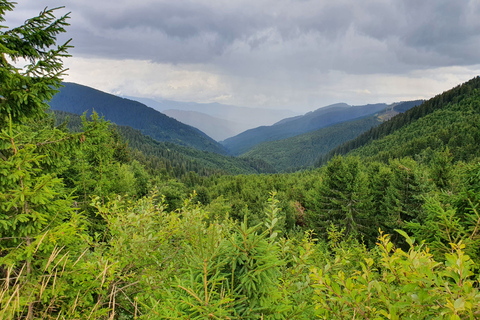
(172,160)
(78,99)
(446,99)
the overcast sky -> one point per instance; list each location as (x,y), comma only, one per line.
(289,54)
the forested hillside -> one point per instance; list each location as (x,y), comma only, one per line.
(454,127)
(78,99)
(174,160)
(303,151)
(291,127)
(459,101)
(89,230)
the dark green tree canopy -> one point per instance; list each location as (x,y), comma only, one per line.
(25,91)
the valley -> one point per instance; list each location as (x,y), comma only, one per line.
(289,144)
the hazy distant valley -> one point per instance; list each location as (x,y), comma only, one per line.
(217,120)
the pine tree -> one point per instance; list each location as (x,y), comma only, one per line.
(379,180)
(403,197)
(30,147)
(38,219)
(343,198)
(25,92)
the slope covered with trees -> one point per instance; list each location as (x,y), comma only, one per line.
(86,232)
(291,127)
(454,127)
(304,150)
(455,100)
(78,99)
(171,158)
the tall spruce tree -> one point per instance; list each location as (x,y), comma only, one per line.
(25,92)
(30,147)
(403,199)
(37,217)
(342,198)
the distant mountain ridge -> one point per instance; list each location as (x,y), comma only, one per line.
(446,122)
(216,128)
(234,119)
(303,150)
(78,99)
(291,127)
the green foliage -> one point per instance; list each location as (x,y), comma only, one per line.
(31,149)
(403,200)
(449,119)
(232,271)
(24,92)
(453,216)
(442,169)
(42,235)
(61,283)
(82,234)
(137,251)
(31,192)
(254,266)
(32,195)
(399,285)
(380,184)
(204,291)
(342,199)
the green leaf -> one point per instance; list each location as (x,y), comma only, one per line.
(459,304)
(409,240)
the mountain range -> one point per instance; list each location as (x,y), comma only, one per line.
(294,126)
(290,143)
(77,99)
(304,150)
(233,119)
(216,128)
(448,122)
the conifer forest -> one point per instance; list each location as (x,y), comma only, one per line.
(100,222)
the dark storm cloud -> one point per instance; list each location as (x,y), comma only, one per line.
(194,31)
(415,33)
(429,32)
(169,31)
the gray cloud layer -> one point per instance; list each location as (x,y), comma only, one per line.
(291,43)
(414,33)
